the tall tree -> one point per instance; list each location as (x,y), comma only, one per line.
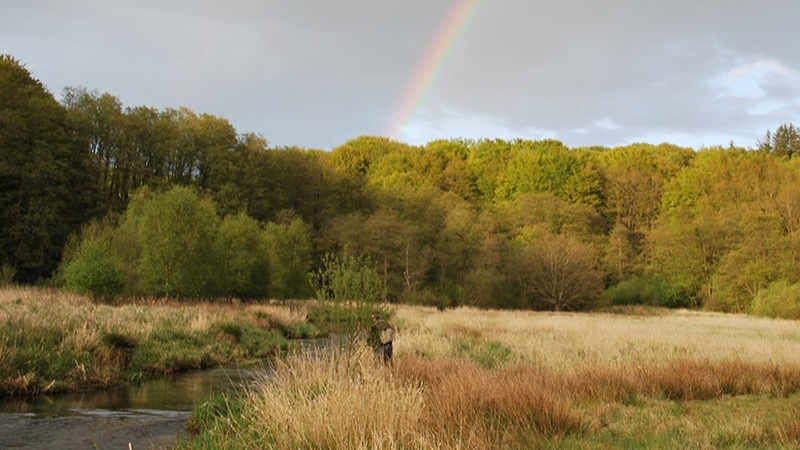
(46,179)
(559,272)
(785,141)
(177,231)
(99,121)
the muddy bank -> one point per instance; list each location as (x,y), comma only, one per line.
(94,429)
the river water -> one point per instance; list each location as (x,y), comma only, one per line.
(152,415)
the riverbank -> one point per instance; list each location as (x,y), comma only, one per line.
(52,341)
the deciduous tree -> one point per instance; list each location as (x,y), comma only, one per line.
(46,178)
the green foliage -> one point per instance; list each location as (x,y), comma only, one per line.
(94,270)
(47,178)
(288,249)
(350,279)
(649,291)
(439,220)
(244,264)
(357,156)
(490,355)
(779,300)
(176,232)
(7,274)
(349,291)
(538,166)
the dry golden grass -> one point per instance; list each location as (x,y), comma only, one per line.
(85,319)
(336,400)
(471,379)
(566,342)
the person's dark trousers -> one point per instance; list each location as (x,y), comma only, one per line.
(386,349)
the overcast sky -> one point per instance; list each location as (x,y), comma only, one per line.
(315,73)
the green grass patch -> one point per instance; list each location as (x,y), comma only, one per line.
(486,354)
(54,345)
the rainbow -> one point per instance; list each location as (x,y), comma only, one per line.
(432,63)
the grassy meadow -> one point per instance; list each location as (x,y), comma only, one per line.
(52,341)
(473,379)
(462,378)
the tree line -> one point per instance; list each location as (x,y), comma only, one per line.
(170,202)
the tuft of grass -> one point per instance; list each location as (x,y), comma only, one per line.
(229,331)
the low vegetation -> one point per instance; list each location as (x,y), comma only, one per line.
(51,341)
(473,379)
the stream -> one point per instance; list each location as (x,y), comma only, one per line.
(152,415)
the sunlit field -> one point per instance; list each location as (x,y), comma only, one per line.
(472,379)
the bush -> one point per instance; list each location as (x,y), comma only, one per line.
(649,291)
(94,271)
(779,300)
(7,274)
(351,279)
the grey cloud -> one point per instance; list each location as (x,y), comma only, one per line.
(315,73)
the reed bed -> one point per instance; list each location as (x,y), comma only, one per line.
(471,379)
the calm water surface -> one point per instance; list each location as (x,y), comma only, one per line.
(151,415)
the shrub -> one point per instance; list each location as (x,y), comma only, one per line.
(7,274)
(650,291)
(94,270)
(349,291)
(350,279)
(779,300)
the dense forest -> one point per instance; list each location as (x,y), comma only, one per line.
(135,201)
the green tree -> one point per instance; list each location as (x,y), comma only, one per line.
(357,156)
(779,300)
(348,280)
(288,247)
(244,268)
(177,231)
(143,161)
(620,258)
(47,185)
(486,164)
(538,166)
(785,141)
(99,120)
(556,215)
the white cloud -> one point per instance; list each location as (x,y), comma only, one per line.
(446,123)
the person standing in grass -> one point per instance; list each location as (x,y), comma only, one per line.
(383,334)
